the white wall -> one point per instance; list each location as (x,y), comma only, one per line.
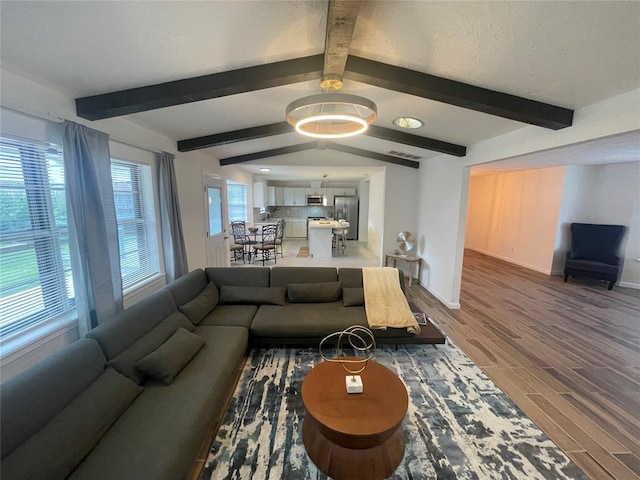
(607,194)
(400,207)
(514,216)
(442,204)
(376,218)
(363,214)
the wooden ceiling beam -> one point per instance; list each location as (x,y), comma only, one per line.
(341,20)
(456,93)
(311,145)
(268,153)
(376,156)
(263,131)
(412,140)
(178,92)
(234,136)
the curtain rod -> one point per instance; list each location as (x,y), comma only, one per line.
(51,118)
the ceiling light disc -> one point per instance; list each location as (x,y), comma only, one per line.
(408,122)
(331,115)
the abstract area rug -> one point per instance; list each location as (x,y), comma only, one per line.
(303,252)
(459,424)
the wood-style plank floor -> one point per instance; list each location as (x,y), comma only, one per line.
(567,353)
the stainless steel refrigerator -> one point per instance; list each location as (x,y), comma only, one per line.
(346,207)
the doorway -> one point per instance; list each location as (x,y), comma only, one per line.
(217,239)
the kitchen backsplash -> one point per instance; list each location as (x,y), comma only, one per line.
(293,212)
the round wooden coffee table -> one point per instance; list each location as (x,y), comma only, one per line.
(358,435)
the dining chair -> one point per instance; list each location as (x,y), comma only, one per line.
(266,246)
(279,237)
(240,237)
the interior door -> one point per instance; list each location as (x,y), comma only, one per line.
(217,240)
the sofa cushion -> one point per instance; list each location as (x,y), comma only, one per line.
(164,363)
(126,360)
(353,297)
(252,295)
(34,397)
(55,450)
(161,433)
(350,277)
(122,330)
(320,292)
(201,305)
(188,286)
(283,276)
(305,320)
(239,277)
(231,316)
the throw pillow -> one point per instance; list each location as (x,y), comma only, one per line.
(125,361)
(319,292)
(202,305)
(252,295)
(353,297)
(171,357)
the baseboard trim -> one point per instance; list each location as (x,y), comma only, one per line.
(511,260)
(635,286)
(448,304)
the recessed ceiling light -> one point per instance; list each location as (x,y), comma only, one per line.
(408,122)
(265,169)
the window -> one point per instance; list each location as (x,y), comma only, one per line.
(137,233)
(237,201)
(35,271)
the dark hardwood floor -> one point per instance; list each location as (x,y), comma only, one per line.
(567,353)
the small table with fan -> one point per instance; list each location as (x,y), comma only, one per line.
(406,243)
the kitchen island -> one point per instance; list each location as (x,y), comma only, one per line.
(320,236)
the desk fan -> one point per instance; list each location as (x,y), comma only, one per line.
(406,242)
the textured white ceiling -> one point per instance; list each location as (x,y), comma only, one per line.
(571,54)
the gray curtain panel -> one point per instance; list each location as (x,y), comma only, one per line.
(175,253)
(93,228)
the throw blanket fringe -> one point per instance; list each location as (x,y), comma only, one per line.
(384,301)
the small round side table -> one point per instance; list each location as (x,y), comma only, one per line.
(354,436)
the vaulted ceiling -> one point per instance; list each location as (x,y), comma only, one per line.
(217,76)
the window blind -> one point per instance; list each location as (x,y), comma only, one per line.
(237,201)
(137,231)
(35,271)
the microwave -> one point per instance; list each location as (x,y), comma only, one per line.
(315,200)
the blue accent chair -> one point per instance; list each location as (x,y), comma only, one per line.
(594,252)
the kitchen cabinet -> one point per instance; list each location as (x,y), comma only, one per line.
(279,196)
(299,198)
(300,229)
(287,196)
(329,192)
(295,228)
(259,195)
(344,191)
(271,196)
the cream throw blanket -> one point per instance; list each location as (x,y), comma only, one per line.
(384,301)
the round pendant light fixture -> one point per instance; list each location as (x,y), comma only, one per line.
(331,115)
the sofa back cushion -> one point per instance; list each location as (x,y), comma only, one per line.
(55,450)
(188,286)
(321,292)
(283,276)
(252,295)
(202,304)
(33,398)
(122,330)
(239,277)
(125,361)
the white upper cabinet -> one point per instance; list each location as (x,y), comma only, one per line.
(280,196)
(259,195)
(287,196)
(271,196)
(299,198)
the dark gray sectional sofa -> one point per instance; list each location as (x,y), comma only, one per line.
(138,397)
